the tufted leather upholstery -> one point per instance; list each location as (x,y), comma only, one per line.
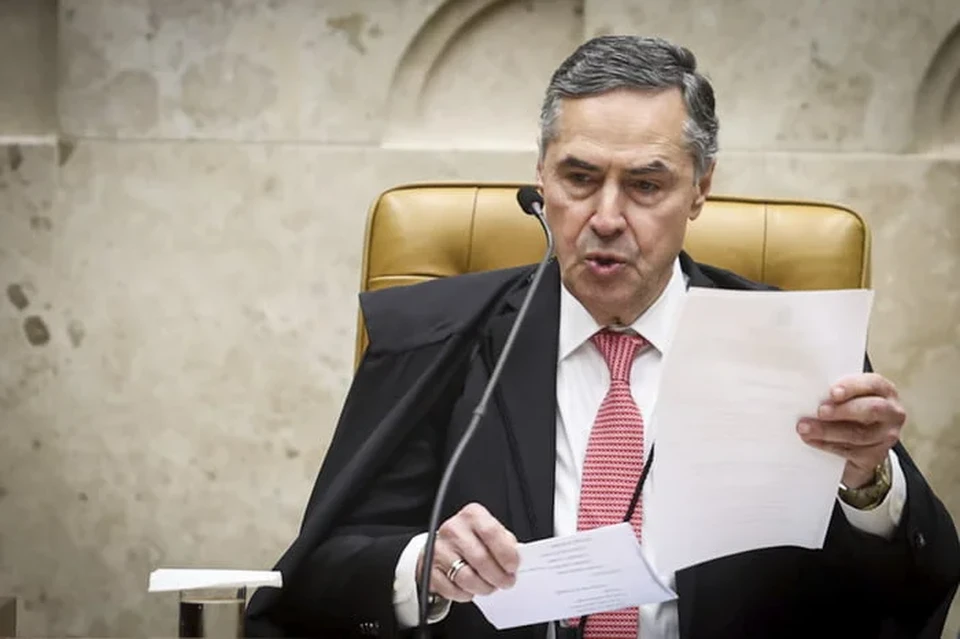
(423,231)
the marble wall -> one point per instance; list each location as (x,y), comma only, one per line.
(183,189)
(28,67)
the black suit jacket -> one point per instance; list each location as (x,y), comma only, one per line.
(432,349)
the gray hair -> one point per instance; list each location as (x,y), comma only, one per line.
(613,62)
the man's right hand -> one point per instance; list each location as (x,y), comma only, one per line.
(489,550)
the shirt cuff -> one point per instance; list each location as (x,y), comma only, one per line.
(406,601)
(884,519)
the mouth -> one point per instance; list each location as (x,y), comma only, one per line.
(604,259)
(604,264)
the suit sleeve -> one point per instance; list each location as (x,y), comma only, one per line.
(910,577)
(347,581)
(344,586)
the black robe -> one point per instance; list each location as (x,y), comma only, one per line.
(432,348)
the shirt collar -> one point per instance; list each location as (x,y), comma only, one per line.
(655,324)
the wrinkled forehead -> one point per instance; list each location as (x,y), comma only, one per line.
(622,129)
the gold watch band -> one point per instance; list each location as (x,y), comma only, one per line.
(871,495)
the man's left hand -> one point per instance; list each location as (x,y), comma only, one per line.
(861,421)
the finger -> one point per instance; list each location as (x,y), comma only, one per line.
(501,544)
(492,550)
(470,581)
(466,578)
(446,588)
(459,536)
(484,575)
(871,409)
(859,385)
(849,434)
(445,555)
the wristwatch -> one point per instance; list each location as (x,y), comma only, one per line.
(870,495)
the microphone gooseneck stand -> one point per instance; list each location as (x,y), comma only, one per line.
(532,204)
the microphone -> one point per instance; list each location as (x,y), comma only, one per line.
(532,203)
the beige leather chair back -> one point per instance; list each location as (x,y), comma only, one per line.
(424,231)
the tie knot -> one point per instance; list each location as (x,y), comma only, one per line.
(618,349)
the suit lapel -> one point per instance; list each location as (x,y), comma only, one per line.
(695,275)
(525,396)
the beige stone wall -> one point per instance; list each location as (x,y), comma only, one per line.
(183,186)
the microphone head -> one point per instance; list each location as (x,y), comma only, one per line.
(530,200)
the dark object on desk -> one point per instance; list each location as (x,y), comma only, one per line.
(8,616)
(212,613)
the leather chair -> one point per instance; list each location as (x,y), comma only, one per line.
(423,231)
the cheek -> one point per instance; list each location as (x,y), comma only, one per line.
(658,232)
(567,226)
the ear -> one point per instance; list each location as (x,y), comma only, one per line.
(703,190)
(540,175)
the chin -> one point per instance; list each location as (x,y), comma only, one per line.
(607,306)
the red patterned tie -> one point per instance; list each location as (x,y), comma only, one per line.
(612,467)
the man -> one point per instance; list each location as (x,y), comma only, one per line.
(628,146)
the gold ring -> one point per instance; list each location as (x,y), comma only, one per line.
(454,569)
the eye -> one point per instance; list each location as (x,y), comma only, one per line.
(646,186)
(579,178)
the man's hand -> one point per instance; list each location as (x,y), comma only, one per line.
(861,421)
(489,550)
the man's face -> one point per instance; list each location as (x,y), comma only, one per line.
(618,189)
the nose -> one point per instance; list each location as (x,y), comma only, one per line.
(608,219)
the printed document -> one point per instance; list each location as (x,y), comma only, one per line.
(731,472)
(566,577)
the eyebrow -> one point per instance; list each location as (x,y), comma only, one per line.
(656,166)
(572,162)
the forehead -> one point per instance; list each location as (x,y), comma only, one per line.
(626,123)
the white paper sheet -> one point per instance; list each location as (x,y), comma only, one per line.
(565,577)
(168,579)
(732,474)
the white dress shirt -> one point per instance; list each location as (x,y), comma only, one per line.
(582,381)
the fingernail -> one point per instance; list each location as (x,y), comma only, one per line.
(837,392)
(804,428)
(825,410)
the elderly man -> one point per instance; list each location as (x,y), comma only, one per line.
(627,155)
